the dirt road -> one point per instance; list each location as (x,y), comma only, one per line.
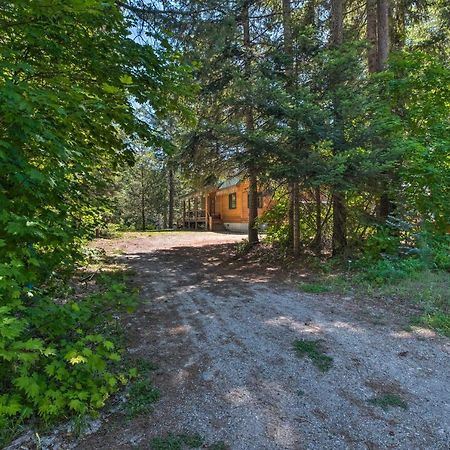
(222,336)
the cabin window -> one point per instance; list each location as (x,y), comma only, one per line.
(232,201)
(259,200)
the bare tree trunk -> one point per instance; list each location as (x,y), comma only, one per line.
(291,212)
(296,219)
(252,207)
(171,195)
(383,33)
(318,236)
(250,126)
(294,205)
(339,223)
(339,240)
(372,52)
(144,225)
(337,22)
(384,205)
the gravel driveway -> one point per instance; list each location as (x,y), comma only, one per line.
(222,336)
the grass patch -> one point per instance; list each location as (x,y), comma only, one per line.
(219,446)
(10,429)
(141,396)
(430,290)
(143,366)
(315,352)
(176,442)
(387,401)
(437,321)
(313,288)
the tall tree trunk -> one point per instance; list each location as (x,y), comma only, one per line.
(296,219)
(397,22)
(337,22)
(294,204)
(318,236)
(339,239)
(252,206)
(144,225)
(372,38)
(171,195)
(383,33)
(384,205)
(339,223)
(250,126)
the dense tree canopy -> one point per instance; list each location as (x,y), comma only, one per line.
(326,97)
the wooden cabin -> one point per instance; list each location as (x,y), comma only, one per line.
(224,208)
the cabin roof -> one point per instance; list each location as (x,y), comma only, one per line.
(234,181)
(230,182)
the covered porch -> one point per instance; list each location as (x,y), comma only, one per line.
(199,212)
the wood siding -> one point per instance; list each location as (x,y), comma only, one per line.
(240,214)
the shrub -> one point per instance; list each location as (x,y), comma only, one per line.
(277,228)
(60,358)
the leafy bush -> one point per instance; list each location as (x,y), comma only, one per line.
(58,359)
(394,252)
(390,270)
(277,228)
(439,252)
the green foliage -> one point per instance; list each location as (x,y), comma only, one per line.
(176,442)
(394,253)
(141,395)
(420,82)
(438,321)
(71,77)
(10,428)
(313,288)
(143,199)
(277,229)
(314,350)
(242,248)
(390,270)
(54,361)
(66,105)
(386,401)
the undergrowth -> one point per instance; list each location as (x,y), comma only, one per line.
(183,441)
(176,442)
(141,394)
(61,358)
(409,280)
